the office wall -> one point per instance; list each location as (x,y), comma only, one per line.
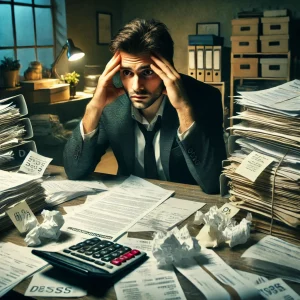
(181,17)
(81,27)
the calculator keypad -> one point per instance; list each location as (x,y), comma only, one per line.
(105,254)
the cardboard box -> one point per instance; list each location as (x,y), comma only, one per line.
(245,26)
(274,43)
(56,93)
(274,67)
(275,13)
(33,85)
(244,44)
(245,67)
(273,26)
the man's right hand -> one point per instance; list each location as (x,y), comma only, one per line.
(105,93)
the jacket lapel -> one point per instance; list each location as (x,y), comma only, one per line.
(169,127)
(126,133)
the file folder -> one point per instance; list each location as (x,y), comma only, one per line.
(217,57)
(200,62)
(192,61)
(208,63)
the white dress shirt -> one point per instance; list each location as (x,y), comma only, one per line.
(140,140)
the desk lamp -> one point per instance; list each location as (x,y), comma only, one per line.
(73,53)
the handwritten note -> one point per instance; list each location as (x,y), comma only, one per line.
(21,215)
(35,164)
(253,165)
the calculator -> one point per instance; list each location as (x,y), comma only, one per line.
(95,258)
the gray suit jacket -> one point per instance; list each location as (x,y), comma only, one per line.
(202,151)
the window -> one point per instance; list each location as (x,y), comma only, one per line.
(27,31)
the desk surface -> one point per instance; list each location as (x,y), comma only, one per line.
(184,191)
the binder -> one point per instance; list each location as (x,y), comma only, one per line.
(200,62)
(217,56)
(208,63)
(192,61)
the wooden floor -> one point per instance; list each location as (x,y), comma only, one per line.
(108,164)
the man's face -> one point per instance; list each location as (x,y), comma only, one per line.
(141,84)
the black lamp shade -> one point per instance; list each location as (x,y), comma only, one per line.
(73,52)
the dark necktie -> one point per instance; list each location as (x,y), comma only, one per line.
(150,169)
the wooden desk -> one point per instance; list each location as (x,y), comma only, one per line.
(184,191)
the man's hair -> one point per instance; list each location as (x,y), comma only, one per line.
(142,36)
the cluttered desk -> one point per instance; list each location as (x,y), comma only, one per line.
(176,267)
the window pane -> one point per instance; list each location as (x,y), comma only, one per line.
(44,30)
(46,57)
(24,1)
(7,53)
(24,26)
(25,56)
(6,29)
(42,2)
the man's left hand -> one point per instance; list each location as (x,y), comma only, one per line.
(174,90)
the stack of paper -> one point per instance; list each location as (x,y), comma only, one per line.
(15,130)
(270,125)
(49,128)
(15,187)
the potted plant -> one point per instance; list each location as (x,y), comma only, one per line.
(72,79)
(10,71)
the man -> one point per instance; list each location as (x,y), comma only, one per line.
(184,115)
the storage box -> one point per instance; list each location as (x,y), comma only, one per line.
(244,44)
(275,13)
(245,26)
(244,67)
(56,93)
(205,39)
(274,43)
(275,26)
(33,85)
(274,67)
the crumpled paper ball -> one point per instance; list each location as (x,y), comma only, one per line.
(173,246)
(49,229)
(220,228)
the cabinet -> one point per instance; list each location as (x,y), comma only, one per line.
(241,78)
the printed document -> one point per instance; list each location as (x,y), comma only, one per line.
(147,281)
(117,210)
(274,257)
(54,283)
(167,215)
(17,263)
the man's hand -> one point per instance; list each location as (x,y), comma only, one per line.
(105,93)
(175,91)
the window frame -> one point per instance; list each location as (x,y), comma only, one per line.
(35,46)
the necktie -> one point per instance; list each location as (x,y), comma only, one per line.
(150,169)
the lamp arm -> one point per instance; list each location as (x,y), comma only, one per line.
(53,66)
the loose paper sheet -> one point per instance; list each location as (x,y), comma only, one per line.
(17,263)
(20,215)
(147,281)
(117,210)
(277,289)
(167,215)
(253,165)
(54,283)
(35,164)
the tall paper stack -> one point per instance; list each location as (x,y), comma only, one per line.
(270,125)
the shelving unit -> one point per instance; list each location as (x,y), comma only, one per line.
(255,55)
